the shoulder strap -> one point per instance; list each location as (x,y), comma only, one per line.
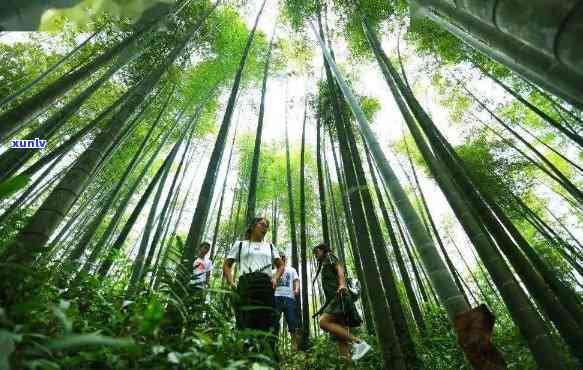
(240,246)
(238,265)
(317,273)
(320,264)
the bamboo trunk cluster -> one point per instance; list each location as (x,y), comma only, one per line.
(539,41)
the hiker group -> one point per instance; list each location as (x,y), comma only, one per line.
(265,287)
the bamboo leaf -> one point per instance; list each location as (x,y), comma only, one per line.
(417,10)
(174,357)
(12,185)
(42,364)
(83,340)
(221,291)
(180,243)
(7,340)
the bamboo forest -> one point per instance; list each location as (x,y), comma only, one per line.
(419,159)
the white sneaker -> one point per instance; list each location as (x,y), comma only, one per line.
(359,349)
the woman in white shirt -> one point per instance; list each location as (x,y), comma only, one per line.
(257,282)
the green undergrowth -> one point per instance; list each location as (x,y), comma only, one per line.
(96,327)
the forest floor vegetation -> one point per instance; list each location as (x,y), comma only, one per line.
(96,328)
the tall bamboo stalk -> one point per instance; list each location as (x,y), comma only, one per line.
(199,220)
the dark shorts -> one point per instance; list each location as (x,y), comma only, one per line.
(255,309)
(335,308)
(255,306)
(289,308)
(344,309)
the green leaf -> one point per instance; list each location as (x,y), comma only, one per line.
(42,364)
(417,11)
(257,366)
(12,185)
(61,314)
(219,291)
(152,317)
(158,349)
(179,242)
(83,340)
(174,357)
(7,340)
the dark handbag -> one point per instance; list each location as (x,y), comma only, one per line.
(351,316)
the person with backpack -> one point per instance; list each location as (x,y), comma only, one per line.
(256,284)
(286,295)
(339,313)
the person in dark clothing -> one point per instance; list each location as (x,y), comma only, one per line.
(257,282)
(338,306)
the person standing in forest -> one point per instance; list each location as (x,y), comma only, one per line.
(286,293)
(257,281)
(202,267)
(201,270)
(339,311)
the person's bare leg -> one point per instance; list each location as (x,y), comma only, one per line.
(344,349)
(329,323)
(295,339)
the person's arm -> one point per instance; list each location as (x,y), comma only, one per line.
(208,273)
(280,268)
(340,271)
(234,253)
(195,265)
(297,287)
(228,272)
